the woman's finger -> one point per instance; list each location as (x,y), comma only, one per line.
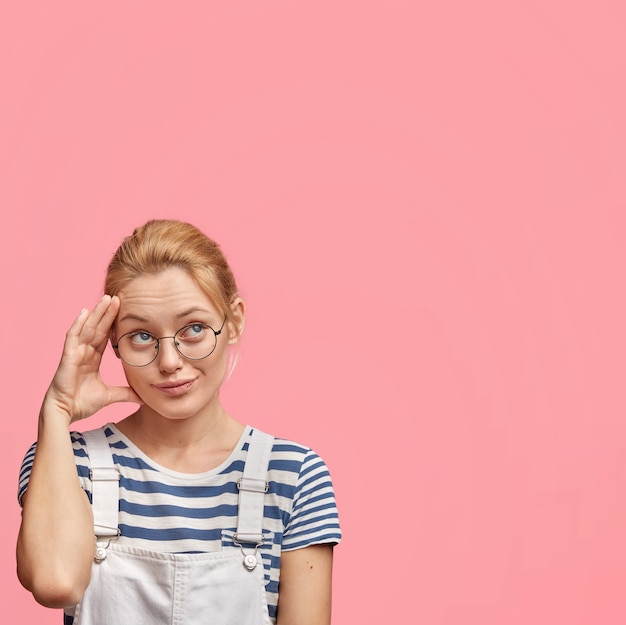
(103,329)
(97,326)
(79,322)
(74,332)
(123,394)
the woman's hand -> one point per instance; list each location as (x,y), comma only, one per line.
(77,389)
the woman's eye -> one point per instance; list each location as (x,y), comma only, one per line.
(141,338)
(193,331)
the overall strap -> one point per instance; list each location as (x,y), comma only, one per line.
(105,477)
(252,488)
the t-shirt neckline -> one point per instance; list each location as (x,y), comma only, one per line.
(178,474)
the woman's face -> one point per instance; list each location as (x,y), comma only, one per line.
(161,304)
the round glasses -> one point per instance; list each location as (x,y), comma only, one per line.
(195,341)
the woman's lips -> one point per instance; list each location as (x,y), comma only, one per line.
(175,388)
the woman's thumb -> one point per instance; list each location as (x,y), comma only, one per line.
(123,394)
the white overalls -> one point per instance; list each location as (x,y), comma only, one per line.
(133,586)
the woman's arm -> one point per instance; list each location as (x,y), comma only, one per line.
(55,545)
(304,593)
(56,542)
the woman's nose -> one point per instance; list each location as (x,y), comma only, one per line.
(168,357)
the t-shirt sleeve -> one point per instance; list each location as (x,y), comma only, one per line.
(80,456)
(314,518)
(25,469)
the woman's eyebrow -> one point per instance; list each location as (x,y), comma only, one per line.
(133,318)
(190,311)
(184,313)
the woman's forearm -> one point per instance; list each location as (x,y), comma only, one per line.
(56,541)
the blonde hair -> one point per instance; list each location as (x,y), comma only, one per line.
(164,243)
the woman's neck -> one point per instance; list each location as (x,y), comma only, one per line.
(192,445)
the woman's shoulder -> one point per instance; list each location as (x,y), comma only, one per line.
(288,450)
(292,464)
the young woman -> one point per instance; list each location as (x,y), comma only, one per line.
(178,513)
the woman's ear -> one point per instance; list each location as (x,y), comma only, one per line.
(238,309)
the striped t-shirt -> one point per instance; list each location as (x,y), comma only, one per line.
(164,510)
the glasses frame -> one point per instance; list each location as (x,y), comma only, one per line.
(158,340)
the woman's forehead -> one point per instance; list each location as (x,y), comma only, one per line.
(171,292)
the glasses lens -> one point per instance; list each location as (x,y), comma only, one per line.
(196,341)
(138,348)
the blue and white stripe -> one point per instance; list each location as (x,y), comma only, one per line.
(163,510)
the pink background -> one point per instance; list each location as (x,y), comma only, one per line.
(424,203)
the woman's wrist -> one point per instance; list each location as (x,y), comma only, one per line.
(52,413)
